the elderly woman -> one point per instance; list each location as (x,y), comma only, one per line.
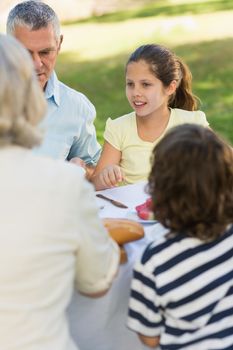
(50,234)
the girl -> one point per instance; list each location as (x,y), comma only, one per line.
(158,88)
(182,289)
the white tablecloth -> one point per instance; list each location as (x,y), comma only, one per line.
(100,324)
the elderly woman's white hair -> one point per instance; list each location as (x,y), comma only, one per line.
(22,103)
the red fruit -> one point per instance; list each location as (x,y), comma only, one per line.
(145,214)
(149,203)
(141,206)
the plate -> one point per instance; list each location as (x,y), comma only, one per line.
(132,215)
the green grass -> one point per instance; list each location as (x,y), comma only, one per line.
(94,63)
(212,81)
(103,82)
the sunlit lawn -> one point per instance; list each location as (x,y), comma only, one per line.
(95,52)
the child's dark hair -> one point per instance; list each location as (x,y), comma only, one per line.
(191,182)
(168,67)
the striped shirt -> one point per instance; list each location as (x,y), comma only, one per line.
(182,291)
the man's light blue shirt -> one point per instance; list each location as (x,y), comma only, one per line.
(68,126)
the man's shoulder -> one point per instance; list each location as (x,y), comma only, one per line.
(76,102)
(67,97)
(72,94)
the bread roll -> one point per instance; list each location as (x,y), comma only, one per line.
(123,230)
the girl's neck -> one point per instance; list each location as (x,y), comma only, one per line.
(152,126)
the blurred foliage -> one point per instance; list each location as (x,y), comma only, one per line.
(161,8)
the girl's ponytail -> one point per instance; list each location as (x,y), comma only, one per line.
(183,98)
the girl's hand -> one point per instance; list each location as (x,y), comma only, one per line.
(107,172)
(110,176)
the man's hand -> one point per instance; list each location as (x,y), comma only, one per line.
(89,170)
(78,161)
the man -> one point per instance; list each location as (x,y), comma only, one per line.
(69,130)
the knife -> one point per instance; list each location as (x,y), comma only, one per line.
(116,203)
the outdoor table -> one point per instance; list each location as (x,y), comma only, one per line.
(100,323)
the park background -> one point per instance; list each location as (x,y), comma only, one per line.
(100,35)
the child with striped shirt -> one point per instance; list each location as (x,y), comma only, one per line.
(182,289)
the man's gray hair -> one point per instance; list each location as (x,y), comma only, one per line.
(34,15)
